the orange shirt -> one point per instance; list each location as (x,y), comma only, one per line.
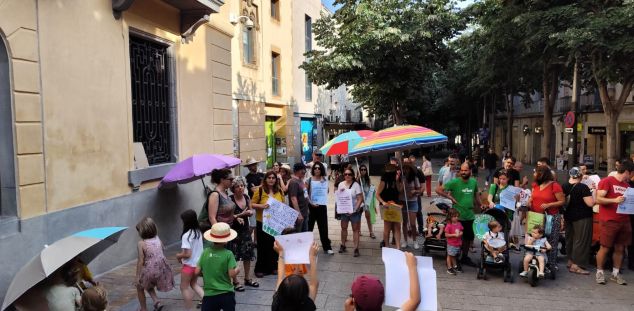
(299,269)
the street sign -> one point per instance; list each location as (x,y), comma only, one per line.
(569,120)
(569,130)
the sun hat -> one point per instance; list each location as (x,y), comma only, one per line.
(575,172)
(286,166)
(220,233)
(368,293)
(251,161)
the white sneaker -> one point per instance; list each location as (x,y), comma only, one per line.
(523,274)
(416,246)
(330,252)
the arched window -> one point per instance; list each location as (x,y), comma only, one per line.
(8,205)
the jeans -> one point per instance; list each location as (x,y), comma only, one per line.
(319,214)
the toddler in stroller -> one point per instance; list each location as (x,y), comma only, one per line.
(494,247)
(435,222)
(536,246)
(494,242)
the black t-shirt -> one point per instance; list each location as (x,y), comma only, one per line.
(390,191)
(577,208)
(512,174)
(491,160)
(253,180)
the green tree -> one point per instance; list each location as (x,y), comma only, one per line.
(602,36)
(387,51)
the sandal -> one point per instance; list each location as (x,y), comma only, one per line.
(342,249)
(238,287)
(251,283)
(578,270)
(372,235)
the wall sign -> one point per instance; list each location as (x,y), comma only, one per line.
(597,130)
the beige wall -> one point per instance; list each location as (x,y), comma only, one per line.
(311,8)
(252,86)
(74,128)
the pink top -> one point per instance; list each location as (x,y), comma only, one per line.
(452,229)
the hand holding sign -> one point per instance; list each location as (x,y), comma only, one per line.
(344,201)
(296,247)
(627,206)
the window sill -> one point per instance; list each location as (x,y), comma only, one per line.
(138,176)
(9,225)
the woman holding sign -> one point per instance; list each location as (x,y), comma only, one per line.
(266,258)
(349,199)
(318,192)
(547,198)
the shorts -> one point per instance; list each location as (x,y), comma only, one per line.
(189,270)
(353,218)
(615,233)
(468,234)
(412,206)
(453,250)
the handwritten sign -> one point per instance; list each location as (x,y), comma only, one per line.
(278,217)
(507,197)
(397,280)
(525,196)
(392,212)
(344,201)
(296,247)
(319,192)
(627,207)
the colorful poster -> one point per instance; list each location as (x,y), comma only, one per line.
(278,217)
(392,212)
(525,196)
(306,133)
(319,192)
(344,201)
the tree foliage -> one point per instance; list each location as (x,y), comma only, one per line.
(387,51)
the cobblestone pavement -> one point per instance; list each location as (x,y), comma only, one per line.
(460,292)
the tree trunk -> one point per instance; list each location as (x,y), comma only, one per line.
(612,109)
(396,114)
(509,122)
(549,84)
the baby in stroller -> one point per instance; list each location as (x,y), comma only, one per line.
(436,222)
(494,241)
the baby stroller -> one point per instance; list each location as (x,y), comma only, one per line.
(436,219)
(486,259)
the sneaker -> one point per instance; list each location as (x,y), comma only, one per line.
(330,252)
(523,274)
(458,269)
(540,275)
(618,279)
(600,278)
(497,260)
(451,271)
(416,246)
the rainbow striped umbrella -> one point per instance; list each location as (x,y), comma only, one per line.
(343,143)
(398,138)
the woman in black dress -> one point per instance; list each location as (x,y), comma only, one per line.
(243,248)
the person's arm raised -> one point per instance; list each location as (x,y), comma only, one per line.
(281,266)
(313,286)
(414,288)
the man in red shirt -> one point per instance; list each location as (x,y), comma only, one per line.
(616,229)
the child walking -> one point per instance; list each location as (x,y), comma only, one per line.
(191,248)
(453,233)
(219,267)
(152,269)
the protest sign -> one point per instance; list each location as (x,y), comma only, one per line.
(278,217)
(507,197)
(627,207)
(525,196)
(397,280)
(392,212)
(319,192)
(296,247)
(344,201)
(533,219)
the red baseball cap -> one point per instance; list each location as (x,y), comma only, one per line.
(368,293)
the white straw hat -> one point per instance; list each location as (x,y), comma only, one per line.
(220,233)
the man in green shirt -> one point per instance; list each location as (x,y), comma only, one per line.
(463,192)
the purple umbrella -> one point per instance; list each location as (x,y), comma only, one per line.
(196,167)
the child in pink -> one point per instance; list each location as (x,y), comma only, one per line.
(453,233)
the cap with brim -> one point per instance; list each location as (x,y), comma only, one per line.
(220,233)
(575,172)
(251,161)
(368,293)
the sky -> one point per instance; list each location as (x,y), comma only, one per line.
(328,3)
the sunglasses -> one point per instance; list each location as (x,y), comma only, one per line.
(347,174)
(317,168)
(363,169)
(271,177)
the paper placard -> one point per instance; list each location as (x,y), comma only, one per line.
(627,207)
(296,247)
(397,280)
(593,183)
(319,192)
(533,219)
(507,197)
(344,201)
(278,217)
(392,213)
(525,196)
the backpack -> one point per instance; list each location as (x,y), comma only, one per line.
(567,202)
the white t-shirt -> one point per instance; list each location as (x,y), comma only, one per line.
(354,191)
(195,244)
(494,236)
